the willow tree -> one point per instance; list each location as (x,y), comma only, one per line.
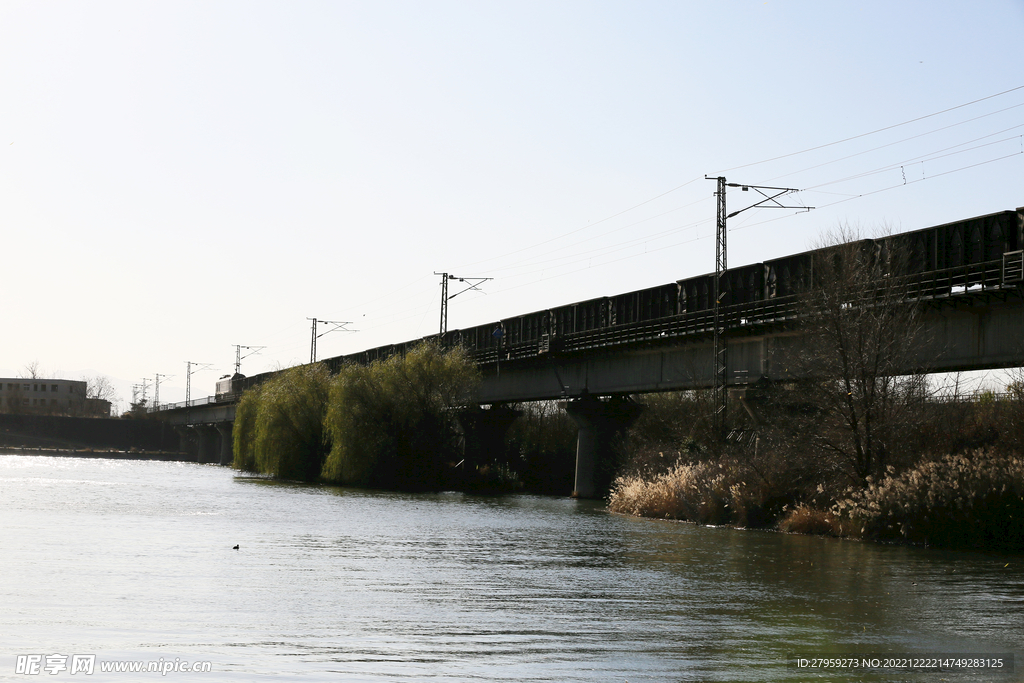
(279,426)
(243,432)
(393,424)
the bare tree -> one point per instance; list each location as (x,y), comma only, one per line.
(101,387)
(32,370)
(862,330)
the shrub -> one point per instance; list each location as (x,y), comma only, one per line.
(393,423)
(673,426)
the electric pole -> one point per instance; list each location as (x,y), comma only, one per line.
(719,392)
(338,326)
(145,387)
(156,398)
(239,357)
(188,386)
(473,282)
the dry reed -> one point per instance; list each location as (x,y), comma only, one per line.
(700,492)
(965,500)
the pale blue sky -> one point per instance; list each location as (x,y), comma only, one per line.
(178,177)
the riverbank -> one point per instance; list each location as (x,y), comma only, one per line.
(945,470)
(86,433)
(972,500)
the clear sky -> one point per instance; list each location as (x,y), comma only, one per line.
(180,177)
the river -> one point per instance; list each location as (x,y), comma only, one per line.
(133,561)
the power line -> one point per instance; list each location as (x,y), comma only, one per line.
(770,201)
(912,137)
(188,385)
(588,226)
(744,227)
(156,397)
(683,185)
(618,244)
(851,197)
(576,256)
(918,180)
(818,147)
(931,156)
(878,130)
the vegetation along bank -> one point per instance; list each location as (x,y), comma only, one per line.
(861,450)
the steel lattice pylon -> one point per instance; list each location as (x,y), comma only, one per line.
(720,351)
(721,267)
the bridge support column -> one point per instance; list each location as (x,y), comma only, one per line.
(599,422)
(227,444)
(186,440)
(208,442)
(484,432)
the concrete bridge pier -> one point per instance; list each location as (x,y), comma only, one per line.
(186,439)
(208,441)
(227,451)
(599,422)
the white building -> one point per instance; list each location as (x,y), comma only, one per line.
(48,397)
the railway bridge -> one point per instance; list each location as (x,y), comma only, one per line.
(967,278)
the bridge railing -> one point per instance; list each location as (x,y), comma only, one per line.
(188,404)
(922,287)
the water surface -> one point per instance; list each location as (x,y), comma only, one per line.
(133,560)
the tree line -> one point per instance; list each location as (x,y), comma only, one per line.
(395,424)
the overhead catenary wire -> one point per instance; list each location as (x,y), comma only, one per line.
(675,229)
(589,254)
(609,232)
(588,226)
(919,180)
(931,156)
(903,140)
(742,227)
(878,190)
(877,130)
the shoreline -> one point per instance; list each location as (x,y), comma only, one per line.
(972,501)
(168,456)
